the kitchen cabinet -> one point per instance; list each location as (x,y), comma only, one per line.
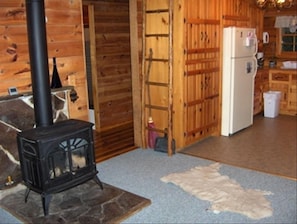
(261,86)
(284,80)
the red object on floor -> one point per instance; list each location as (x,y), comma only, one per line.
(152,135)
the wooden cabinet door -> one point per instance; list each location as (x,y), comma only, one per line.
(283,88)
(279,81)
(201,80)
(286,82)
(292,95)
(257,93)
(261,86)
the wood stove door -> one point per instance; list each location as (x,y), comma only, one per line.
(70,160)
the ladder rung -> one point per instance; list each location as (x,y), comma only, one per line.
(157,11)
(157,84)
(157,35)
(157,59)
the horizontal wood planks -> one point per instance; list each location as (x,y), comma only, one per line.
(65,42)
(113,142)
(113,78)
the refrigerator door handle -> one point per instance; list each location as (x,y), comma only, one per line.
(255,65)
(256,43)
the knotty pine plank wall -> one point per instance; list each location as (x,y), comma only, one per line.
(113,79)
(223,13)
(65,42)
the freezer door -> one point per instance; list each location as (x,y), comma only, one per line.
(242,93)
(244,42)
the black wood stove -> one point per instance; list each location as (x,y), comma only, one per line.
(53,157)
(56,158)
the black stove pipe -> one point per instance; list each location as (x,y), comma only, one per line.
(36,28)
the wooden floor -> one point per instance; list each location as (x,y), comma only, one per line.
(269,146)
(113,142)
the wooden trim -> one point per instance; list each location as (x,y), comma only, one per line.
(282,12)
(136,88)
(202,21)
(202,50)
(202,71)
(143,67)
(236,18)
(178,70)
(94,65)
(170,80)
(197,130)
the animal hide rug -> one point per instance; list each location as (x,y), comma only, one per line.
(225,194)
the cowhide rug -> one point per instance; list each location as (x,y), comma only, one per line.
(225,194)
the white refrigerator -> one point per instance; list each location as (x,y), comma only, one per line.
(240,46)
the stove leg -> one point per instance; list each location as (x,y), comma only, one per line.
(45,203)
(27,194)
(97,180)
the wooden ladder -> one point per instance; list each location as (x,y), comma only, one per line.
(157,39)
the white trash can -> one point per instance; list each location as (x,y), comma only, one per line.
(271,103)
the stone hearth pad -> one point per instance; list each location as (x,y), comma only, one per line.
(85,203)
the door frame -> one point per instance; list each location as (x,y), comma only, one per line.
(135,69)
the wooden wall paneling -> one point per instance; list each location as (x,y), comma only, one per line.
(157,83)
(270,48)
(156,5)
(179,38)
(202,70)
(65,42)
(236,13)
(257,22)
(156,38)
(113,62)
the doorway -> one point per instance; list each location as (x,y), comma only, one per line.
(88,63)
(108,62)
(111,86)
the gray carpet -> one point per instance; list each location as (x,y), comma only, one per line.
(139,171)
